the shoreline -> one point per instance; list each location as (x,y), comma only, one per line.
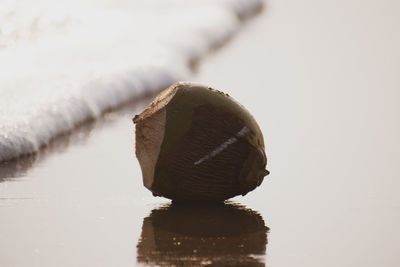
(15,144)
(18,167)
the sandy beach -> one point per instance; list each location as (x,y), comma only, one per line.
(322,81)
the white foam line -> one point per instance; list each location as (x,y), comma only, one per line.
(63,64)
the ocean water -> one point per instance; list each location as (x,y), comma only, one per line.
(64,63)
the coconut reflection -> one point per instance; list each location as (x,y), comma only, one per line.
(221,235)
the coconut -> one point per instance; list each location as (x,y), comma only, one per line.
(197,144)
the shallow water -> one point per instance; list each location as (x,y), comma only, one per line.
(321,80)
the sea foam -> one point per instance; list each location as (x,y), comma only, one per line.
(61,64)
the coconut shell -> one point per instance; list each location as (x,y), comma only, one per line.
(197,144)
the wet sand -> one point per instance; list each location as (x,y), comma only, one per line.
(323,87)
